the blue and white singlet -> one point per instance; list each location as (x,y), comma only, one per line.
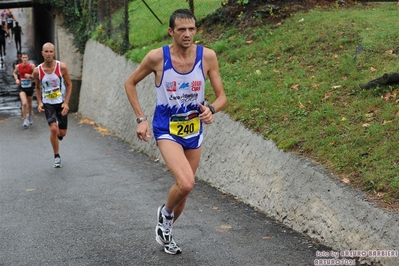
(177,108)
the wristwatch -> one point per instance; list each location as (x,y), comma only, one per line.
(141,119)
(212,109)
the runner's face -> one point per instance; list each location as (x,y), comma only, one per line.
(184,32)
(48,54)
(25,59)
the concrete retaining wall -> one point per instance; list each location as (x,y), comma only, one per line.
(68,53)
(289,188)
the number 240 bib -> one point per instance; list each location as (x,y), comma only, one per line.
(183,125)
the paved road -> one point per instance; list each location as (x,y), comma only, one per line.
(100,207)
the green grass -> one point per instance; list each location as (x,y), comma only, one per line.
(298,85)
(146,30)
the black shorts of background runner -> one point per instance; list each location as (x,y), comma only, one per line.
(28,91)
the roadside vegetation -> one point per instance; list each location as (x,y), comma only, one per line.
(296,81)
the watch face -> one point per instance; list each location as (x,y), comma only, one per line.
(141,119)
(212,109)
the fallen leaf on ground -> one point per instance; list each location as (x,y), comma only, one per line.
(327,95)
(345,180)
(300,105)
(224,228)
(294,87)
(85,120)
(102,130)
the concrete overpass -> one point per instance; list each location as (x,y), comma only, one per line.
(16,3)
(44,29)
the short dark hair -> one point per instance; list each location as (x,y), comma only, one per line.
(182,14)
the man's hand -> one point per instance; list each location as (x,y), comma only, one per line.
(40,108)
(65,109)
(143,131)
(206,115)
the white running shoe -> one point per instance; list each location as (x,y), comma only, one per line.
(26,123)
(163,230)
(30,119)
(172,248)
(57,162)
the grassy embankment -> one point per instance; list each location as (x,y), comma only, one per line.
(298,84)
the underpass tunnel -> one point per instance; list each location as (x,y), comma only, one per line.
(43,29)
(38,27)
(43,23)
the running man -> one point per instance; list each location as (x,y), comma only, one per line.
(23,75)
(3,36)
(53,92)
(10,24)
(180,72)
(17,30)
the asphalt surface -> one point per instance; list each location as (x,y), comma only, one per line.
(100,207)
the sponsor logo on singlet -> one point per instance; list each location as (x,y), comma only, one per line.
(184,86)
(186,97)
(170,86)
(196,85)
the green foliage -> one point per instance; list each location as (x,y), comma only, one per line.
(242,2)
(79,18)
(146,28)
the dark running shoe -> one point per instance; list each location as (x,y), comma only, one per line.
(60,137)
(163,230)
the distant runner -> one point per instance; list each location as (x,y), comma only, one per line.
(53,92)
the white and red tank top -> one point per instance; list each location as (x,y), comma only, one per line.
(53,87)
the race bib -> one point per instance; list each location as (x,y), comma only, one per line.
(26,83)
(52,94)
(184,125)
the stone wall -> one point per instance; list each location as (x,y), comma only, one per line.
(288,188)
